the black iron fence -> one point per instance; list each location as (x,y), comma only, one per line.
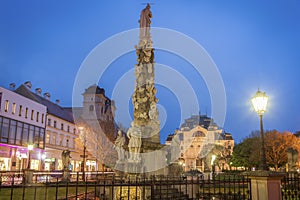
(291,186)
(107,186)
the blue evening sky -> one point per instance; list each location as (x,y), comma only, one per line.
(254,44)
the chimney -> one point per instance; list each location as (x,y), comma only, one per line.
(57,101)
(47,95)
(38,91)
(28,84)
(12,86)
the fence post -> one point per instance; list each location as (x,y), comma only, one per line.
(265,185)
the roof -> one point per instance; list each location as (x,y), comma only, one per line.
(52,108)
(195,120)
(94,89)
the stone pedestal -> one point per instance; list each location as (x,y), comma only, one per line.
(28,176)
(265,185)
(66,176)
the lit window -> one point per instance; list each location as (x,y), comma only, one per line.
(32,113)
(14,108)
(37,116)
(26,112)
(20,111)
(48,138)
(6,105)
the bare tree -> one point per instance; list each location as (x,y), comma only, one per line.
(98,145)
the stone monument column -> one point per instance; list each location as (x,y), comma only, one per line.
(144,131)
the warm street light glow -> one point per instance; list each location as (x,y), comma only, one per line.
(259,102)
(80,128)
(213,158)
(30,147)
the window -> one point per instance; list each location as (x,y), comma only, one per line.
(61,139)
(54,124)
(31,135)
(62,126)
(6,105)
(67,143)
(37,116)
(54,139)
(26,113)
(32,114)
(12,131)
(19,132)
(49,122)
(4,130)
(48,137)
(37,136)
(25,134)
(20,110)
(43,115)
(42,138)
(74,130)
(14,108)
(91,108)
(68,129)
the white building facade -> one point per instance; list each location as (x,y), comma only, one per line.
(22,123)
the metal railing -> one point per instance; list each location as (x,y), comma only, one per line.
(107,186)
(290,186)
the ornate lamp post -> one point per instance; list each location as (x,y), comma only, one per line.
(29,147)
(259,102)
(82,133)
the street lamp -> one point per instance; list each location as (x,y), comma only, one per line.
(29,147)
(81,129)
(259,102)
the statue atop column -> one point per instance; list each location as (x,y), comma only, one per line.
(145,21)
(145,17)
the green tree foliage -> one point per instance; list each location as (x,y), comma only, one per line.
(246,153)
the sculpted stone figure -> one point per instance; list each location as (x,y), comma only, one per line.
(135,142)
(65,157)
(145,17)
(119,144)
(145,21)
